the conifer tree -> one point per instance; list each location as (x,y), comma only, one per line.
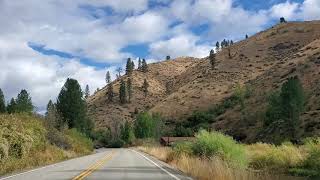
(287,106)
(139,64)
(145,87)
(217,46)
(231,43)
(72,107)
(122,92)
(132,66)
(24,102)
(129,67)
(119,70)
(110,93)
(247,36)
(129,88)
(168,58)
(12,106)
(52,116)
(282,20)
(2,102)
(144,66)
(87,92)
(212,58)
(108,77)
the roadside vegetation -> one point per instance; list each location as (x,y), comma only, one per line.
(213,154)
(26,142)
(30,140)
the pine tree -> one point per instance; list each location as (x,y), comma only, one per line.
(168,58)
(2,103)
(292,98)
(24,102)
(129,88)
(144,66)
(110,93)
(286,107)
(12,106)
(119,70)
(247,36)
(72,107)
(139,64)
(52,116)
(145,87)
(217,46)
(282,20)
(212,58)
(122,92)
(129,67)
(132,66)
(231,42)
(87,92)
(108,77)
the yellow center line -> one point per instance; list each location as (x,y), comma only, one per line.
(94,167)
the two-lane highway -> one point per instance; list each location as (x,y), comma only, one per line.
(115,164)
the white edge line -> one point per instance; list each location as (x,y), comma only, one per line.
(8,177)
(48,166)
(175,177)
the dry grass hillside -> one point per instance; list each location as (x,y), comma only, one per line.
(247,124)
(110,114)
(261,60)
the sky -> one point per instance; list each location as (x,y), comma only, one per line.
(44,42)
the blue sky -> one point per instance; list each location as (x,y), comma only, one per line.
(83,39)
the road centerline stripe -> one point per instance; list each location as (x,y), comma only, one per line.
(94,167)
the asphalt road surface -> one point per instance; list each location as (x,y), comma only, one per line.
(114,164)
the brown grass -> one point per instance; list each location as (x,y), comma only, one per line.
(207,169)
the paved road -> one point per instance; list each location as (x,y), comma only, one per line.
(112,164)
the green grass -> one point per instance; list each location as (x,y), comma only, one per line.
(214,144)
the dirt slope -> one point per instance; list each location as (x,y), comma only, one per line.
(196,87)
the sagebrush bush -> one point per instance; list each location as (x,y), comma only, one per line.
(210,144)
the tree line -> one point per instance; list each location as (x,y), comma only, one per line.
(126,87)
(22,103)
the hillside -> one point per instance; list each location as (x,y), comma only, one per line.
(264,60)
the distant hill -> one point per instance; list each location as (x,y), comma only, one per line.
(263,62)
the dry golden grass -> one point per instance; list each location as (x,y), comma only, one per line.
(208,169)
(271,157)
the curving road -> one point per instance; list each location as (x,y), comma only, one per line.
(115,164)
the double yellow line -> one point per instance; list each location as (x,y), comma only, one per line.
(94,167)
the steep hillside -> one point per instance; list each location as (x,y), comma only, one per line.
(195,86)
(110,114)
(247,124)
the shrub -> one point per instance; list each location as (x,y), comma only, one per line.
(281,158)
(116,143)
(209,144)
(183,148)
(80,143)
(311,164)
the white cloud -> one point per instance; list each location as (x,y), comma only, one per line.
(310,10)
(181,45)
(287,10)
(68,26)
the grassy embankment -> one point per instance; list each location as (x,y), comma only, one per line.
(27,142)
(216,156)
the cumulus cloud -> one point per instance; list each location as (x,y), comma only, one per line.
(180,45)
(287,10)
(89,29)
